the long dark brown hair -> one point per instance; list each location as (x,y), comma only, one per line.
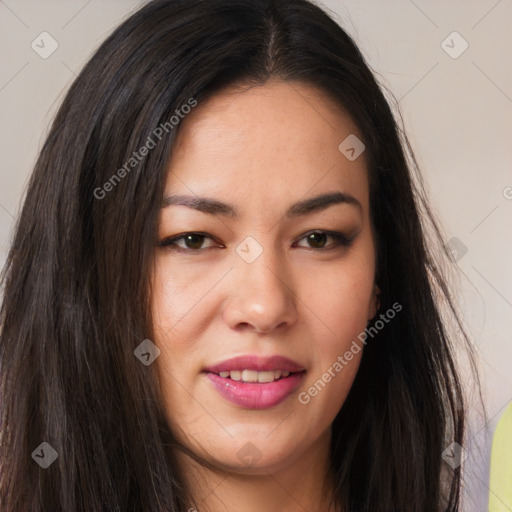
(76,281)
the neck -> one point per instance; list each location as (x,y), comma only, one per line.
(306,484)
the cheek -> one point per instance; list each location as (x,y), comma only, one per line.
(339,307)
(338,313)
(171,297)
(181,302)
(338,323)
(174,325)
(341,299)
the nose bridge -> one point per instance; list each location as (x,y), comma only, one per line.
(263,296)
(267,276)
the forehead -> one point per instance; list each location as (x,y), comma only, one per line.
(276,141)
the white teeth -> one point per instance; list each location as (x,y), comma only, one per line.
(266,376)
(250,376)
(255,376)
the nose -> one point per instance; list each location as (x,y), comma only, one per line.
(261,297)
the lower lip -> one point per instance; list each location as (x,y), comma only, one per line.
(255,395)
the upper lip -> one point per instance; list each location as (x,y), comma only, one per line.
(257,363)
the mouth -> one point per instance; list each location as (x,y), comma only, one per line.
(251,382)
(255,376)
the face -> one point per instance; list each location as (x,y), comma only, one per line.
(264,275)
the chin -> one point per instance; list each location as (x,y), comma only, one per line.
(250,454)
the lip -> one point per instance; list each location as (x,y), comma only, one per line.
(256,395)
(257,363)
(251,395)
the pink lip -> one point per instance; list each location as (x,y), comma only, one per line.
(255,395)
(259,364)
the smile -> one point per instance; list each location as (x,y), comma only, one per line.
(254,376)
(252,382)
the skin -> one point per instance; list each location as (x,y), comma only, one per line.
(261,149)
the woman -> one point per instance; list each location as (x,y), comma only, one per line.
(221,293)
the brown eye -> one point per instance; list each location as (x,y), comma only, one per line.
(318,240)
(193,241)
(187,242)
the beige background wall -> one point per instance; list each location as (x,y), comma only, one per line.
(457,106)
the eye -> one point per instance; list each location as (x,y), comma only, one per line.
(318,240)
(187,242)
(193,242)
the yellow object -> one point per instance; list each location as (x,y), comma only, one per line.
(500,495)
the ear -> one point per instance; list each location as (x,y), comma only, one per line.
(374,303)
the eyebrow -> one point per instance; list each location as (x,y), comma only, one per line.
(304,207)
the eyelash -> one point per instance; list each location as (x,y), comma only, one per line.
(340,241)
